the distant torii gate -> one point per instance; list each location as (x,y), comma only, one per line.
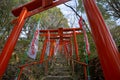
(107,50)
(63,35)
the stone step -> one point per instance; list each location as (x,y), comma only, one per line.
(61,68)
(57,78)
(60,73)
(60,65)
(60,60)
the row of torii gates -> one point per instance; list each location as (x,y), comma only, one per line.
(106,48)
(61,40)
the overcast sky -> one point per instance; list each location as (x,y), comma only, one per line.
(69,14)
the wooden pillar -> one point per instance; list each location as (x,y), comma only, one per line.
(21,70)
(85,72)
(44,49)
(11,42)
(76,45)
(106,47)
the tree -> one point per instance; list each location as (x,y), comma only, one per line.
(113,8)
(52,18)
(5,18)
(116,34)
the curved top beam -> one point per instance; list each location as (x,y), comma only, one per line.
(36,6)
(30,6)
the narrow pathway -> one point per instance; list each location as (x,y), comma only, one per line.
(60,70)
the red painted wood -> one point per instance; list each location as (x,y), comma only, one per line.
(11,42)
(76,46)
(60,31)
(21,70)
(66,50)
(51,50)
(55,35)
(46,3)
(36,6)
(64,29)
(43,51)
(106,47)
(30,6)
(38,10)
(85,35)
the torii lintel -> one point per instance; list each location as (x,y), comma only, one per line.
(36,6)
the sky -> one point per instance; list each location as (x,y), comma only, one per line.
(69,14)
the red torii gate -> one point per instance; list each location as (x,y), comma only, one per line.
(107,50)
(23,12)
(62,36)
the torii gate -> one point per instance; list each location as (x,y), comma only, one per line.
(62,36)
(107,50)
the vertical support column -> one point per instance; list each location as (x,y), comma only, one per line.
(70,53)
(43,50)
(11,42)
(51,50)
(70,49)
(44,47)
(65,50)
(85,35)
(76,46)
(85,72)
(21,70)
(60,31)
(106,48)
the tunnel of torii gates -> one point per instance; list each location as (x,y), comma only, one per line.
(107,50)
(60,41)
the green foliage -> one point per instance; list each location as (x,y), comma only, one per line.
(51,19)
(81,44)
(101,4)
(115,31)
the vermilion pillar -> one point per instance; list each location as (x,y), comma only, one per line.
(76,46)
(70,49)
(65,50)
(43,51)
(51,53)
(106,48)
(11,42)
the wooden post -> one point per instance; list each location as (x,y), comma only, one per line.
(21,70)
(106,47)
(11,42)
(76,46)
(85,72)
